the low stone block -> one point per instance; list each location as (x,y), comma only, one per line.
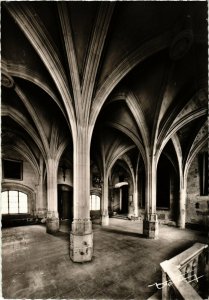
(150,229)
(81,247)
(52,225)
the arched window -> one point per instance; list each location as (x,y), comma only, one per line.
(14,202)
(94,202)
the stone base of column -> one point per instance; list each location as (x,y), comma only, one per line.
(181,225)
(182,208)
(52,222)
(150,226)
(81,241)
(40,213)
(181,220)
(105,219)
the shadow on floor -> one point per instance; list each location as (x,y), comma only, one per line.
(62,235)
(128,233)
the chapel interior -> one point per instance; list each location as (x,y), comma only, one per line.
(104,146)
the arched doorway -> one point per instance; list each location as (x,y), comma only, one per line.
(65,202)
(124,196)
(121,193)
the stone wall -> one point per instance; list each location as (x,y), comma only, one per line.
(28,184)
(164,216)
(197,206)
(30,178)
(68,179)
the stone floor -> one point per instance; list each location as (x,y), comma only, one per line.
(37,265)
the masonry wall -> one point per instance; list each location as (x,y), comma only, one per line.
(67,179)
(28,184)
(29,176)
(197,207)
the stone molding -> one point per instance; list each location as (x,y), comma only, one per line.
(132,59)
(81,226)
(52,215)
(7,81)
(162,140)
(48,54)
(181,44)
(151,217)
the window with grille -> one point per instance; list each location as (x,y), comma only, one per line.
(94,202)
(14,202)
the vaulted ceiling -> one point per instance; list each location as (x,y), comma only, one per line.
(134,73)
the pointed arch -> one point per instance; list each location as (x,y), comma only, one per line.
(124,67)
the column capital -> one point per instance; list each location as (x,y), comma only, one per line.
(52,215)
(151,217)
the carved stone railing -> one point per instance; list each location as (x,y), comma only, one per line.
(182,274)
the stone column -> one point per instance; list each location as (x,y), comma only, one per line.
(104,208)
(135,203)
(135,197)
(81,236)
(52,219)
(40,205)
(111,193)
(182,208)
(150,223)
(120,198)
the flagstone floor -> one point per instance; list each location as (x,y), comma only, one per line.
(36,265)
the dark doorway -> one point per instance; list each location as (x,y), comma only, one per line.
(65,202)
(124,208)
(163,183)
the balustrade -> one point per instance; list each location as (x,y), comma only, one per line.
(185,275)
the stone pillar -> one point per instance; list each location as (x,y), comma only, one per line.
(111,193)
(134,211)
(81,236)
(104,208)
(52,219)
(135,203)
(150,226)
(120,198)
(40,205)
(150,223)
(182,208)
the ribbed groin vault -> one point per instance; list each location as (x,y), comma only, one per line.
(108,100)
